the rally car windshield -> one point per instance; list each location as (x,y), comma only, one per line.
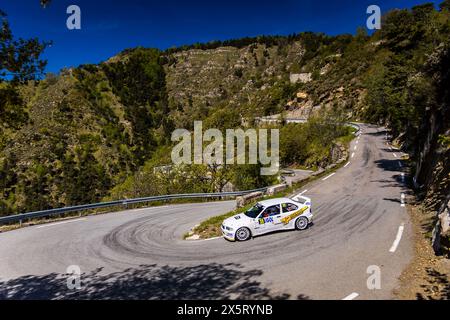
(254,211)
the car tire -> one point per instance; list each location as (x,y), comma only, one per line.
(301,223)
(243,234)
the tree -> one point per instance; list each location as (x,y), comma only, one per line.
(45,3)
(423,11)
(445,5)
(19,58)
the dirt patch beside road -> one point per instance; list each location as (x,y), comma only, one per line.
(428,276)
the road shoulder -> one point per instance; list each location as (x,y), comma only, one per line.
(427,277)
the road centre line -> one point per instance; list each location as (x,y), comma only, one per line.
(58,223)
(327,177)
(397,238)
(351,296)
(148,208)
(353,154)
(347,164)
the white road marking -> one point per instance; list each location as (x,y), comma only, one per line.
(327,177)
(58,223)
(357,141)
(351,296)
(395,155)
(353,154)
(148,208)
(397,238)
(215,238)
(400,164)
(403,177)
(402,200)
(355,148)
(301,193)
(347,164)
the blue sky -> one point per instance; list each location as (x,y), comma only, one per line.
(110,26)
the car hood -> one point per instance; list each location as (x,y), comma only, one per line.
(237,220)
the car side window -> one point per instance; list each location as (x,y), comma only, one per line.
(271,211)
(288,207)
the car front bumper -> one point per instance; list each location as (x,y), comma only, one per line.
(227,234)
(228,237)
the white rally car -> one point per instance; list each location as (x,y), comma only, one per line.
(268,216)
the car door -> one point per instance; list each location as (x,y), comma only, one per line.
(269,219)
(289,212)
(278,219)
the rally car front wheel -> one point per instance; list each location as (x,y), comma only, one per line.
(243,234)
(301,223)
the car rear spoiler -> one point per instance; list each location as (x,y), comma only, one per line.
(302,200)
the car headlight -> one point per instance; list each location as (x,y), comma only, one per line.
(227,228)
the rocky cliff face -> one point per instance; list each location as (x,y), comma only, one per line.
(291,77)
(432,171)
(248,79)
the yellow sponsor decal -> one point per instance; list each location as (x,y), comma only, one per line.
(287,219)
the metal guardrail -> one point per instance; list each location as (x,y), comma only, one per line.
(356,126)
(45,213)
(287,172)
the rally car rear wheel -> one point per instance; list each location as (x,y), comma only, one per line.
(243,234)
(301,223)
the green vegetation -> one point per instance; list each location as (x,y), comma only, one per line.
(19,58)
(210,228)
(314,144)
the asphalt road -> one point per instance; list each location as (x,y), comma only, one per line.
(140,254)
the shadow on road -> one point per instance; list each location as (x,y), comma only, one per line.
(211,281)
(397,181)
(392,200)
(389,165)
(377,133)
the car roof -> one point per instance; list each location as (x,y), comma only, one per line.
(272,202)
